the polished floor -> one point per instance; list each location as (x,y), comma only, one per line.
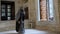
(29,31)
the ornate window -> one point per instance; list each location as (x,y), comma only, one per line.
(45,7)
(7,10)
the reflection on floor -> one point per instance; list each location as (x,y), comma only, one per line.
(29,31)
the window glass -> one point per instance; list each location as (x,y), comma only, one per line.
(9,10)
(3,10)
(51,15)
(3,6)
(9,18)
(3,14)
(8,6)
(9,14)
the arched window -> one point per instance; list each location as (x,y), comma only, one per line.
(51,10)
(7,10)
(45,10)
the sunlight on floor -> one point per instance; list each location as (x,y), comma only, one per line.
(27,31)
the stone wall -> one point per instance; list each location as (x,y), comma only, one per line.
(54,25)
(58,25)
(32,12)
(51,25)
(7,25)
(44,25)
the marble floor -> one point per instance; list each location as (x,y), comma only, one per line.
(29,31)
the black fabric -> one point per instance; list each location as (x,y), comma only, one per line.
(17,26)
(22,15)
(20,27)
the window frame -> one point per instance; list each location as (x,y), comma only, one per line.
(47,11)
(12,11)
